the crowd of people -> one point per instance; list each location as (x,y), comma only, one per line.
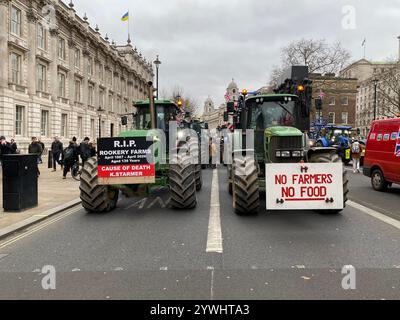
(67,157)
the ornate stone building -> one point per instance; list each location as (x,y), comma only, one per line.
(366,71)
(215,117)
(60,77)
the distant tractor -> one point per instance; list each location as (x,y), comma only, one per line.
(280,122)
(335,136)
(180,176)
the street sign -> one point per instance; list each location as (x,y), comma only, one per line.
(124,161)
(304,186)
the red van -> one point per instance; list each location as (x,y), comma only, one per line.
(382,155)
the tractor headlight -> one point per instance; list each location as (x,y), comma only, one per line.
(285,154)
(278,154)
(181,135)
(297,154)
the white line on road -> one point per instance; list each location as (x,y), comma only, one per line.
(375,214)
(214,238)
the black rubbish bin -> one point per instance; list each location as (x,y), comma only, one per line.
(20,182)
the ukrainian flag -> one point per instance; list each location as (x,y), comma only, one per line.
(125,17)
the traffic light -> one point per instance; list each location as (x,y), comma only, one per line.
(226,117)
(318,104)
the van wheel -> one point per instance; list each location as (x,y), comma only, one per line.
(378,180)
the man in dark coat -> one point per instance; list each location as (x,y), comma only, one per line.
(56,151)
(5,147)
(14,146)
(70,156)
(36,148)
(84,150)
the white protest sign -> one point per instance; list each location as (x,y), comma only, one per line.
(307,186)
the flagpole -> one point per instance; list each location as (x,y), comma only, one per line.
(129,35)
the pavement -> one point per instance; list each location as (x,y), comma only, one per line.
(54,194)
(145,250)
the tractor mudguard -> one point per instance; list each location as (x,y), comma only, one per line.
(316,150)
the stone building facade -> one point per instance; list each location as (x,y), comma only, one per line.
(366,71)
(215,117)
(339,99)
(60,77)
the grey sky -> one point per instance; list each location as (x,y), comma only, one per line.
(203,44)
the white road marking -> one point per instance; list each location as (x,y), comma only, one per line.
(214,238)
(375,214)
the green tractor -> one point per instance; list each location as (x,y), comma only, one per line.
(180,175)
(280,122)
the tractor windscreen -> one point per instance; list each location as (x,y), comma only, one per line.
(164,114)
(266,114)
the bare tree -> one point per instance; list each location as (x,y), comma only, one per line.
(189,104)
(319,56)
(388,91)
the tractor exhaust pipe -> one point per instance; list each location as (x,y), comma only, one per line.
(152,107)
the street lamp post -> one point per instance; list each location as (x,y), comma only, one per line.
(99,110)
(375,81)
(157,62)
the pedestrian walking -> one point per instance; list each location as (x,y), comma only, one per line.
(43,147)
(356,151)
(93,151)
(70,156)
(56,151)
(36,148)
(84,150)
(341,151)
(14,146)
(212,153)
(5,147)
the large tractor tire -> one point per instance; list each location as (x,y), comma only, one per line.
(246,194)
(96,198)
(196,160)
(182,182)
(332,158)
(199,177)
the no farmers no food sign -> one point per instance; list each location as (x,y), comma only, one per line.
(125,161)
(307,186)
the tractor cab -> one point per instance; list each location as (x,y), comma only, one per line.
(165,111)
(276,120)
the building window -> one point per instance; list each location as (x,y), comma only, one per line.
(61,48)
(332,101)
(15,21)
(15,68)
(41,37)
(345,117)
(111,102)
(101,72)
(80,127)
(64,125)
(19,120)
(90,66)
(61,85)
(331,119)
(91,95)
(44,124)
(41,77)
(77,58)
(345,101)
(101,99)
(92,128)
(78,90)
